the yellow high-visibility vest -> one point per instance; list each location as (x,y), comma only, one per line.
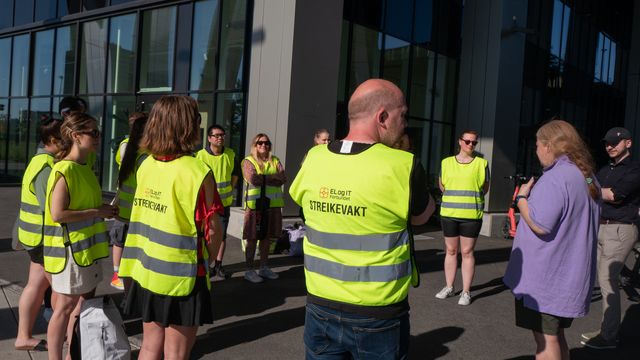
(128,188)
(463,195)
(357,246)
(31,221)
(222,168)
(274,193)
(161,250)
(87,238)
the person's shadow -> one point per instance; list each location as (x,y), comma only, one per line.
(431,345)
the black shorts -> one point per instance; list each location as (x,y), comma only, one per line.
(453,227)
(118,233)
(36,255)
(539,322)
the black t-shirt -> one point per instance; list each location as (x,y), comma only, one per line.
(419,200)
(624,180)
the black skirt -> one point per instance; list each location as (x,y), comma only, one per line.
(191,310)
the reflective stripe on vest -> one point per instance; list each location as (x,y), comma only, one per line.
(463,197)
(87,238)
(128,189)
(351,255)
(31,218)
(222,167)
(274,193)
(161,249)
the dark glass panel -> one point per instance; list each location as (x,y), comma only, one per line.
(421,83)
(92,57)
(365,56)
(23,12)
(368,13)
(158,47)
(42,63)
(96,109)
(229,115)
(20,66)
(423,21)
(93,4)
(399,19)
(18,132)
(204,45)
(40,110)
(45,9)
(6,15)
(116,128)
(66,7)
(118,2)
(4,135)
(344,52)
(440,140)
(122,54)
(444,94)
(205,106)
(5,66)
(232,44)
(65,60)
(396,62)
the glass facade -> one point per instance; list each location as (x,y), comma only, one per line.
(119,63)
(416,45)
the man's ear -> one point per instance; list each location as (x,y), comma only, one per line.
(628,144)
(383,116)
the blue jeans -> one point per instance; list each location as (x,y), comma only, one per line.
(331,335)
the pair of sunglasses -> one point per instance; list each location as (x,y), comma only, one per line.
(268,143)
(474,142)
(217,135)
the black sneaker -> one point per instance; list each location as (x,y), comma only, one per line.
(598,342)
(222,273)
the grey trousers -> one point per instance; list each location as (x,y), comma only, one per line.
(615,242)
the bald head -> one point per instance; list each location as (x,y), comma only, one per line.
(373,95)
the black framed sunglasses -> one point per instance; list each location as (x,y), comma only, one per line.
(95,133)
(474,142)
(217,135)
(267,143)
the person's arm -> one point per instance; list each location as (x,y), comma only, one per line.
(422,204)
(628,184)
(542,212)
(250,174)
(234,181)
(279,178)
(61,213)
(487,179)
(214,205)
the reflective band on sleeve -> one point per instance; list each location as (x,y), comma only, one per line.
(225,196)
(462,193)
(223,184)
(160,266)
(79,225)
(58,252)
(381,273)
(31,209)
(164,238)
(49,230)
(462,206)
(85,244)
(372,242)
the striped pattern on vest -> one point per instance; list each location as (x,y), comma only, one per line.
(31,217)
(128,189)
(222,167)
(463,196)
(161,247)
(87,238)
(274,193)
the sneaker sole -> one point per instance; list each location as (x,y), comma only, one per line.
(586,337)
(603,347)
(121,288)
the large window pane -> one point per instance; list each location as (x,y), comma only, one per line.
(229,115)
(365,55)
(421,83)
(42,63)
(5,66)
(23,12)
(440,141)
(204,45)
(40,110)
(158,46)
(96,109)
(66,7)
(423,21)
(396,62)
(444,94)
(6,15)
(122,54)
(4,135)
(342,73)
(20,66)
(205,106)
(93,4)
(65,60)
(232,44)
(399,14)
(92,56)
(45,9)
(18,131)
(116,128)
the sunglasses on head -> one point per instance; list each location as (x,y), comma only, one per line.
(474,142)
(95,133)
(267,143)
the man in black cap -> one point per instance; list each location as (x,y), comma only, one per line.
(620,182)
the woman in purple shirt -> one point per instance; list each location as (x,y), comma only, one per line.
(552,265)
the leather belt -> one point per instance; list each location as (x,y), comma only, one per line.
(613,222)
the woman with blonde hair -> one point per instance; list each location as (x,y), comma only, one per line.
(552,265)
(261,171)
(174,232)
(77,235)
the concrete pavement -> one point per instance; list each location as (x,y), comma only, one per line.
(265,321)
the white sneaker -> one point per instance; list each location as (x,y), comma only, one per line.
(465,298)
(445,293)
(266,273)
(252,276)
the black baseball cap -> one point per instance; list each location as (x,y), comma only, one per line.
(616,134)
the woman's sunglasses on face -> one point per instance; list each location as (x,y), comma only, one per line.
(474,142)
(267,143)
(95,133)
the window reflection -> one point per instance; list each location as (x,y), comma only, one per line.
(229,115)
(20,66)
(18,130)
(5,69)
(560,29)
(232,44)
(115,128)
(45,9)
(605,65)
(396,62)
(158,43)
(42,63)
(92,56)
(365,55)
(6,15)
(421,82)
(65,61)
(444,94)
(204,45)
(66,7)
(40,110)
(423,21)
(23,12)
(4,135)
(122,54)
(205,106)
